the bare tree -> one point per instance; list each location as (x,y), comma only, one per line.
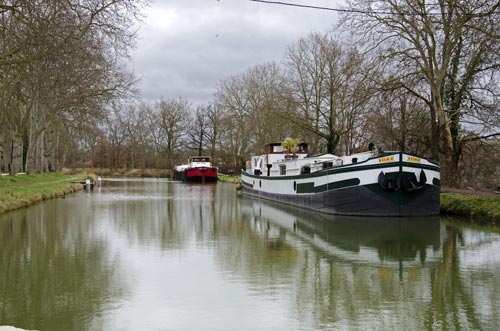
(215,118)
(173,118)
(117,136)
(158,137)
(396,121)
(59,65)
(450,44)
(198,130)
(331,86)
(231,97)
(138,134)
(256,105)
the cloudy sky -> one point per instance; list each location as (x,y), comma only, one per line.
(187,46)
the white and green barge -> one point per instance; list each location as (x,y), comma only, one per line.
(364,184)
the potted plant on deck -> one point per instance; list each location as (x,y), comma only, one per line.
(291,146)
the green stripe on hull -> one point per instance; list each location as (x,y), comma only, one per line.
(310,188)
(305,188)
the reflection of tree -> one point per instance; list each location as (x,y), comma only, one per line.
(260,252)
(254,250)
(353,294)
(152,213)
(351,273)
(52,276)
(453,305)
(448,295)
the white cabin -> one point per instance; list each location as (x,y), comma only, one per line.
(199,162)
(277,161)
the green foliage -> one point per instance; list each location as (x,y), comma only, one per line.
(290,144)
(483,210)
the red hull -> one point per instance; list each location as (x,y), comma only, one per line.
(200,174)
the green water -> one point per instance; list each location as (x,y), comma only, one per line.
(159,255)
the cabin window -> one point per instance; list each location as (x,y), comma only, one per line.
(282,169)
(278,149)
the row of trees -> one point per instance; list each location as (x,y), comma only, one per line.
(420,76)
(320,96)
(60,65)
(151,135)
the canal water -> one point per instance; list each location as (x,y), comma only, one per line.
(161,255)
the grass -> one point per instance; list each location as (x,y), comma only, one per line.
(24,190)
(229,179)
(483,210)
(121,172)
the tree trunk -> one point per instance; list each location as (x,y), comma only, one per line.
(3,155)
(434,135)
(16,156)
(446,145)
(332,142)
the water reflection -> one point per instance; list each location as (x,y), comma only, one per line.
(160,255)
(54,271)
(356,239)
(382,273)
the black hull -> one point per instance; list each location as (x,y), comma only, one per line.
(177,175)
(368,200)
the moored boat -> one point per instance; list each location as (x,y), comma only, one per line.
(198,169)
(363,184)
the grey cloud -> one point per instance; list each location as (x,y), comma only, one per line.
(187,47)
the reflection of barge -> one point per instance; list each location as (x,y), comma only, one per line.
(364,184)
(198,169)
(389,241)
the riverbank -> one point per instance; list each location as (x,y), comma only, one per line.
(24,190)
(229,179)
(108,172)
(473,208)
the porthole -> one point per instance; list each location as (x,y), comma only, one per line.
(260,184)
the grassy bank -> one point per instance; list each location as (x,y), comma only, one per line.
(229,179)
(109,172)
(482,210)
(24,190)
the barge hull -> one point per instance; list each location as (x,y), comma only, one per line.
(366,200)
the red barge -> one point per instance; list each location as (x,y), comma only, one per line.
(198,169)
